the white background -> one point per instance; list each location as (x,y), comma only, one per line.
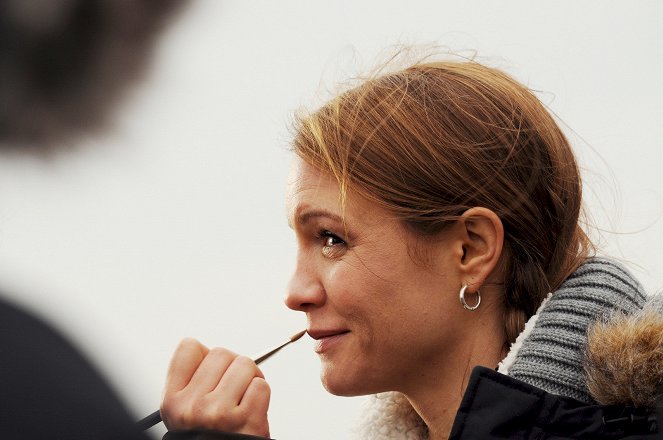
(173,224)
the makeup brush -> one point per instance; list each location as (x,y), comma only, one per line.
(155,417)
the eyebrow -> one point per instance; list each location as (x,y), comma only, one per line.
(305,216)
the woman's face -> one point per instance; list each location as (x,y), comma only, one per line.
(382,305)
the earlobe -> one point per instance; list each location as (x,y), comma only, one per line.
(482,245)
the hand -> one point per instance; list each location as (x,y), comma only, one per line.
(214,389)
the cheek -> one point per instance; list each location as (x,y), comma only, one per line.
(371,301)
(385,288)
(346,286)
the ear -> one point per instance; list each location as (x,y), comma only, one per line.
(483,238)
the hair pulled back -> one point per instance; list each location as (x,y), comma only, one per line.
(435,139)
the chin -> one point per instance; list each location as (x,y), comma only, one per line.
(342,390)
(344,384)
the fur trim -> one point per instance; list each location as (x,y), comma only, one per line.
(624,357)
(390,416)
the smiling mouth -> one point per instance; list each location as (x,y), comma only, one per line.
(322,334)
(326,340)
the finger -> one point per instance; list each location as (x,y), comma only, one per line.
(256,398)
(254,405)
(237,379)
(211,370)
(186,359)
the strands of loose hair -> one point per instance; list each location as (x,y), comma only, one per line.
(434,139)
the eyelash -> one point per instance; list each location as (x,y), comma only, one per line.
(326,234)
(327,248)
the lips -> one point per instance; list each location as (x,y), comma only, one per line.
(319,334)
(327,339)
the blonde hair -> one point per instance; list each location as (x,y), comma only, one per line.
(430,141)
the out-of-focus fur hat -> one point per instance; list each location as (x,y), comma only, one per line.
(624,357)
(65,63)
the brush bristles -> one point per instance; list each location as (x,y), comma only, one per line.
(297,336)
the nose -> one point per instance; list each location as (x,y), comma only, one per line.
(305,291)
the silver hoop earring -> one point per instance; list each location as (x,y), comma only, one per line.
(462,299)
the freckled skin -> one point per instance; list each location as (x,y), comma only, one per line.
(402,313)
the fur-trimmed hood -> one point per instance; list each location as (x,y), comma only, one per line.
(624,357)
(597,339)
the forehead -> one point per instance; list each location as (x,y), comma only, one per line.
(314,194)
(303,176)
(310,187)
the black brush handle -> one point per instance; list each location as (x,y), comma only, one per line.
(149,421)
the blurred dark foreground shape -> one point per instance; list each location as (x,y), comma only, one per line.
(48,390)
(64,65)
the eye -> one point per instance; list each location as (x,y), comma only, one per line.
(331,239)
(332,244)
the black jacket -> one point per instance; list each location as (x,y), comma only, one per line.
(499,407)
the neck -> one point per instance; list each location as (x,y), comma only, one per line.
(437,396)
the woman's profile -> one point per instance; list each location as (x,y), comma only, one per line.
(437,212)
